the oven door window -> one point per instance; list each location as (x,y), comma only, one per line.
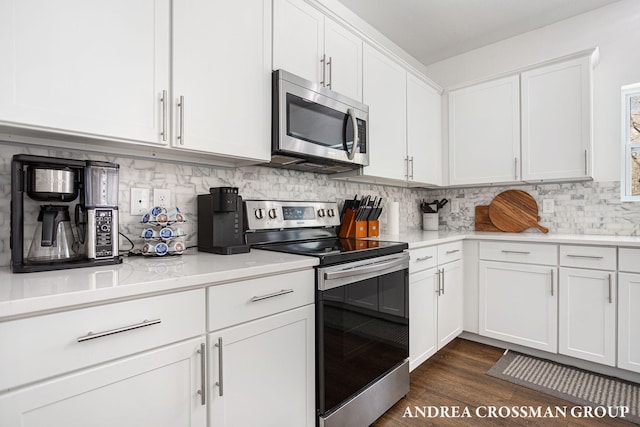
(318,124)
(363,333)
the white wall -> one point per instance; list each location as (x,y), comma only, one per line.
(615,29)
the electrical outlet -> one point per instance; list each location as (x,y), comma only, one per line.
(139,201)
(161,197)
(548,206)
(455,206)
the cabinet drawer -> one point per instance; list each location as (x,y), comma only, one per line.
(423,259)
(629,260)
(448,252)
(528,253)
(594,257)
(240,302)
(40,347)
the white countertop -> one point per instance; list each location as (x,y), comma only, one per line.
(419,238)
(27,294)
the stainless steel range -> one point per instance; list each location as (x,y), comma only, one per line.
(362,307)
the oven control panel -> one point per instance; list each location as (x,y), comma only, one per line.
(267,215)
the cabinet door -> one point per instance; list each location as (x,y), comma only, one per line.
(86,67)
(343,51)
(424,132)
(298,39)
(587,315)
(450,303)
(556,121)
(629,322)
(423,313)
(384,91)
(484,132)
(519,304)
(222,77)
(156,388)
(264,372)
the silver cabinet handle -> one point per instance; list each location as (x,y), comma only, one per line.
(551,282)
(406,167)
(586,170)
(515,252)
(584,256)
(439,284)
(411,168)
(330,65)
(442,281)
(181,123)
(143,324)
(219,382)
(354,146)
(515,167)
(164,115)
(424,258)
(324,71)
(610,290)
(275,294)
(453,251)
(203,374)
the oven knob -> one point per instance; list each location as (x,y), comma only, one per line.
(273,213)
(259,213)
(321,213)
(330,212)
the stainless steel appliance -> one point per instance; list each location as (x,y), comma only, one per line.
(89,187)
(362,314)
(315,129)
(220,222)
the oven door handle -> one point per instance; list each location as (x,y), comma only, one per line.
(370,268)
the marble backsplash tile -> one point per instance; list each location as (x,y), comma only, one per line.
(186,181)
(580,208)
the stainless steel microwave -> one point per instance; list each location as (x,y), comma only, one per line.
(316,129)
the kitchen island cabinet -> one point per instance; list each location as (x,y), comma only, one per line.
(628,313)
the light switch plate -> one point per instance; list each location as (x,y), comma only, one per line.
(548,206)
(139,201)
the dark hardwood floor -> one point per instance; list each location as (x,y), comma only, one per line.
(456,377)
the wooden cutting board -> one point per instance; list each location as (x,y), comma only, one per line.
(483,222)
(514,211)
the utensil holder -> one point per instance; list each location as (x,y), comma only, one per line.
(430,221)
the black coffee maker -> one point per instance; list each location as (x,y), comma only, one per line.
(220,222)
(44,192)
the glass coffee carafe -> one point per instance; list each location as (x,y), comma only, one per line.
(53,239)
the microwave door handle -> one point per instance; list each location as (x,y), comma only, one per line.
(354,146)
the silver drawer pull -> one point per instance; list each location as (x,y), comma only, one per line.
(584,256)
(515,252)
(203,374)
(143,324)
(453,251)
(424,258)
(219,382)
(275,294)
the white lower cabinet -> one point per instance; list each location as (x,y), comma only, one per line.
(262,373)
(587,315)
(435,300)
(519,304)
(157,388)
(629,320)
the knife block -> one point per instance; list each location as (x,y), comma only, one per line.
(351,228)
(373,228)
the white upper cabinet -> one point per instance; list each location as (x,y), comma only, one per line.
(97,68)
(384,91)
(484,132)
(424,132)
(556,121)
(222,77)
(314,47)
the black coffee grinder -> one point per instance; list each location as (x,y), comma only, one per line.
(220,222)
